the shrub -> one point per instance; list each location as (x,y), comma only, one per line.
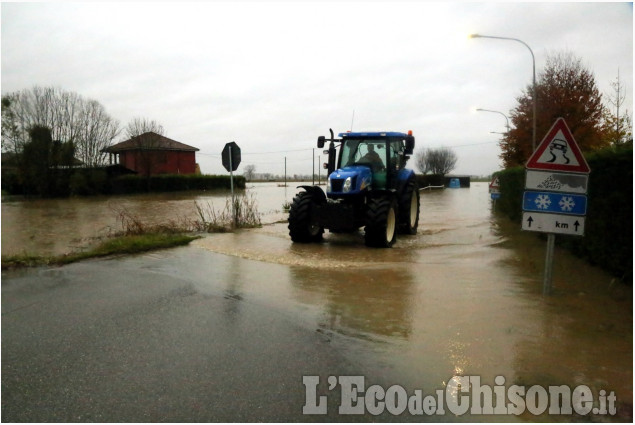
(245,215)
(608,240)
(78,184)
(512,185)
(173,182)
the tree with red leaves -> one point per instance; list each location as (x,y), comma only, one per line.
(565,89)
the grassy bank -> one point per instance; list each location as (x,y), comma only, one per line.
(125,244)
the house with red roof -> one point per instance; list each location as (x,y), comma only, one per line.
(151,153)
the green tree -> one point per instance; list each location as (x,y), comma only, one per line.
(44,165)
(565,89)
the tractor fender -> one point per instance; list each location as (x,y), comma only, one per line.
(403,178)
(316,191)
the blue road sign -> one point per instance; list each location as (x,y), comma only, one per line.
(558,203)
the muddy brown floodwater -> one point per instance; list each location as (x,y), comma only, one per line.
(462,297)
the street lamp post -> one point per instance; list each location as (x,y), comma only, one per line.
(533,58)
(496,112)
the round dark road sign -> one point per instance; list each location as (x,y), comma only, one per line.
(235,156)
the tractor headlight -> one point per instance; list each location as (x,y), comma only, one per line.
(348,183)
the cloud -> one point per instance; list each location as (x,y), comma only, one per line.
(274,76)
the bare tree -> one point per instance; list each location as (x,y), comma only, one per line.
(70,118)
(618,128)
(146,135)
(440,161)
(95,131)
(138,126)
(12,138)
(249,172)
(420,161)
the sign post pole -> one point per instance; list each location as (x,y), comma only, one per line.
(231,159)
(231,183)
(546,283)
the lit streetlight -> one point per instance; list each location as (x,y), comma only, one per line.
(496,112)
(533,58)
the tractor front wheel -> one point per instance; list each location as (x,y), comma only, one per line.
(381,223)
(301,227)
(409,205)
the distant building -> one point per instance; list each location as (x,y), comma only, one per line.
(151,153)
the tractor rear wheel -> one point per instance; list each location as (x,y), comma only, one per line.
(409,205)
(381,223)
(301,227)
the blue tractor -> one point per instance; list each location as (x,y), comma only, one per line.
(368,186)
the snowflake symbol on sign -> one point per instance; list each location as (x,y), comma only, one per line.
(566,203)
(542,202)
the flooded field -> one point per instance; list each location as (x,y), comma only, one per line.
(57,226)
(462,297)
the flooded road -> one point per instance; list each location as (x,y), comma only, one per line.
(462,297)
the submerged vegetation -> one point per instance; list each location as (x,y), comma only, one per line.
(135,235)
(243,215)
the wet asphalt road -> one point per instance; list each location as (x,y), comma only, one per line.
(136,340)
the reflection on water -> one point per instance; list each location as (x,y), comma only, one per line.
(462,297)
(368,304)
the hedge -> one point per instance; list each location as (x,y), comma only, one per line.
(173,182)
(608,239)
(425,180)
(95,181)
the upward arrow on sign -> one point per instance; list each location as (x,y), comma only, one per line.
(558,151)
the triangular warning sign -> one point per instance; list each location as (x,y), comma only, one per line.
(558,151)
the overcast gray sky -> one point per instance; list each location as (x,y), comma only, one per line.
(275,76)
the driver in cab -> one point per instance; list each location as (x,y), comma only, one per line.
(373,158)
